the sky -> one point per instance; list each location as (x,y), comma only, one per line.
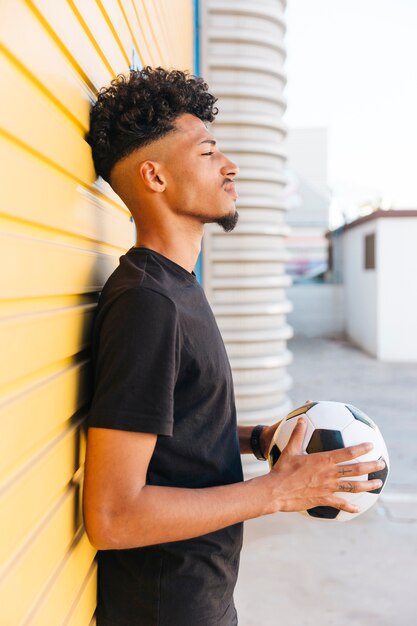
(352,68)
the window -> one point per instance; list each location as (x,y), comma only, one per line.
(370,251)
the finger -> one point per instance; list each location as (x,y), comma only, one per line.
(347,454)
(359,469)
(295,443)
(356,486)
(343,505)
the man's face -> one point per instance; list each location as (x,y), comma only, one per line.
(199,176)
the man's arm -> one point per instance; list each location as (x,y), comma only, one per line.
(244,434)
(121,511)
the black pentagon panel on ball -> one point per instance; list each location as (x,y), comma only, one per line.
(360,415)
(324,512)
(275,453)
(324,439)
(381,475)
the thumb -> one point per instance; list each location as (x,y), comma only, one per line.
(295,442)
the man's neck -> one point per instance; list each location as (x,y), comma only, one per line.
(183,253)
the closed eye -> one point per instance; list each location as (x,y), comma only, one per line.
(207,153)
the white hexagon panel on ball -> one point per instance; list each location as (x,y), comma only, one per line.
(243,53)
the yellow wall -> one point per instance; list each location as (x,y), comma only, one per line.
(61,234)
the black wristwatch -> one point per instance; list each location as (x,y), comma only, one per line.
(255,442)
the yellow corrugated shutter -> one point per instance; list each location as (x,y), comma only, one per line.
(61,234)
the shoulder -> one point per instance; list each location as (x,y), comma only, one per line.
(139,278)
(130,303)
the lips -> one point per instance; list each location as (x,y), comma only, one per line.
(230,189)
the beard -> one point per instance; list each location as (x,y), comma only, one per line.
(228,222)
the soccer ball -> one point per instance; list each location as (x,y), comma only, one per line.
(332,425)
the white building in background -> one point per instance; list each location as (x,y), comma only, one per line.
(308,202)
(376,259)
(244,277)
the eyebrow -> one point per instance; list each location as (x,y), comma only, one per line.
(210,141)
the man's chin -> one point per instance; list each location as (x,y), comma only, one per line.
(228,222)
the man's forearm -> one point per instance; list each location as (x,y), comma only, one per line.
(244,433)
(163,514)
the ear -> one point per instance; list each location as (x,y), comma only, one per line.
(152,175)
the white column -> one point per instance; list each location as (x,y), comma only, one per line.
(243,272)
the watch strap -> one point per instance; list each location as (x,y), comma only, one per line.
(255,442)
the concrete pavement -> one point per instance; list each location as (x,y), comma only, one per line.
(301,572)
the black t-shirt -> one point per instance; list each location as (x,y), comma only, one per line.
(161,367)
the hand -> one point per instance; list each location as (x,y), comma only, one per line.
(303,481)
(266,437)
(268,432)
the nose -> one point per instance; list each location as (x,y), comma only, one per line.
(229,169)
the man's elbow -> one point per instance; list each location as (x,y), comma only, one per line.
(99,529)
(106,530)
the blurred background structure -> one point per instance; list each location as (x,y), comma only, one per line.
(375,259)
(309,202)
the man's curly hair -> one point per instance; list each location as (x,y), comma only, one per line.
(137,109)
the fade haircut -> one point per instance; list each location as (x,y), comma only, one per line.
(140,108)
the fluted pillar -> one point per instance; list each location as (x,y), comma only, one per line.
(244,276)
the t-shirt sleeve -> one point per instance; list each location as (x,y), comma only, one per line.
(136,362)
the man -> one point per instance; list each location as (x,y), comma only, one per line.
(164,496)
